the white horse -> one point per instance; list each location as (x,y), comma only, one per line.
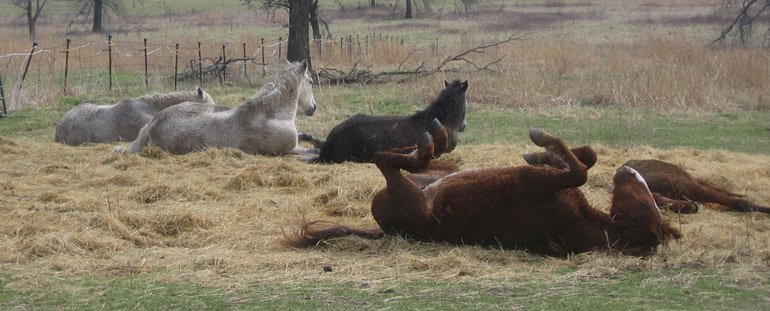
(89,123)
(264,124)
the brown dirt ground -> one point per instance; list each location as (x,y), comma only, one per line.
(216,217)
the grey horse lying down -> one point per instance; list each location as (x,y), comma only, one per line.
(263,124)
(89,123)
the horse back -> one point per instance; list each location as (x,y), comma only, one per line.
(360,136)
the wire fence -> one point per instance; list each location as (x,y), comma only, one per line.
(157,58)
(104,64)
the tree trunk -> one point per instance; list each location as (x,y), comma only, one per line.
(408,9)
(298,47)
(314,20)
(372,4)
(31,21)
(98,6)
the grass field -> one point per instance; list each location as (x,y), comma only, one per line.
(85,229)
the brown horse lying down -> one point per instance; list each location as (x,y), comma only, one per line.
(537,208)
(671,186)
(673,183)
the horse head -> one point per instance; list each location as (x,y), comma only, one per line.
(306,99)
(635,215)
(203,96)
(456,97)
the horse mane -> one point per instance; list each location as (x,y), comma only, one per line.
(442,105)
(282,83)
(162,100)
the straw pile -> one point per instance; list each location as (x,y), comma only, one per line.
(217,217)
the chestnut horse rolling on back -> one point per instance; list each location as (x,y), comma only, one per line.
(537,208)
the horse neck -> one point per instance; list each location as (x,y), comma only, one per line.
(158,102)
(281,104)
(435,110)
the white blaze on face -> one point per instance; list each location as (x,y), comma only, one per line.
(644,182)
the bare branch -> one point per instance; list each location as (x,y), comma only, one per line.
(330,75)
(478,50)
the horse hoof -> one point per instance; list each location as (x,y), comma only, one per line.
(425,145)
(436,124)
(539,137)
(532,158)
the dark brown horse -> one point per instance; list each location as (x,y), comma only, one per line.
(537,208)
(671,186)
(675,186)
(359,137)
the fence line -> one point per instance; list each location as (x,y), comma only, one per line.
(148,59)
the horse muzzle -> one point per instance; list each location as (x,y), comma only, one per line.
(310,111)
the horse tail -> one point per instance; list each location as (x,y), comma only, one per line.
(311,233)
(317,143)
(141,141)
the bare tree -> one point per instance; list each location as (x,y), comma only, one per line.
(98,9)
(298,48)
(748,13)
(32,9)
(408,9)
(315,19)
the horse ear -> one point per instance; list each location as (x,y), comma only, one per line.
(304,65)
(200,92)
(446,84)
(464,86)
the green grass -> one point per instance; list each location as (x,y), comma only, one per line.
(741,131)
(639,290)
(747,132)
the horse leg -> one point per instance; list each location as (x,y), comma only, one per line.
(401,206)
(547,180)
(440,137)
(676,206)
(713,187)
(317,143)
(141,141)
(705,191)
(585,154)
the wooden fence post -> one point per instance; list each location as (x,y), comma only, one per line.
(109,59)
(350,47)
(200,65)
(280,42)
(2,98)
(146,83)
(26,67)
(245,62)
(66,64)
(262,44)
(176,64)
(224,64)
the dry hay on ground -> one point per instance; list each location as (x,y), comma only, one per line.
(217,217)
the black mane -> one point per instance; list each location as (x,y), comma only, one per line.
(443,104)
